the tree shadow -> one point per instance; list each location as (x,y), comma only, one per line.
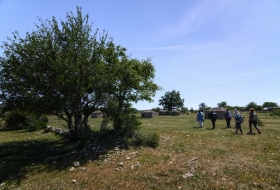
(252,133)
(18,158)
(198,127)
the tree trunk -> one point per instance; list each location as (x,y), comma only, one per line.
(85,123)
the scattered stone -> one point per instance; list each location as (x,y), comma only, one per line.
(224,178)
(72,169)
(118,169)
(137,164)
(188,175)
(194,159)
(74,181)
(128,158)
(2,184)
(120,164)
(76,164)
(83,168)
(131,167)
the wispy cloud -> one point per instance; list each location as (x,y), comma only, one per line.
(194,17)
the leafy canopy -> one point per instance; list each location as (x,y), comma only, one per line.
(269,104)
(66,70)
(171,100)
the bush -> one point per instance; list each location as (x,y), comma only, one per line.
(16,120)
(37,125)
(275,112)
(157,109)
(143,139)
(260,123)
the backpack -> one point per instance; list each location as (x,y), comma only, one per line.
(255,117)
(240,119)
(228,115)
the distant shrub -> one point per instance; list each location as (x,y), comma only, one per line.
(143,139)
(260,123)
(275,112)
(37,124)
(184,110)
(157,109)
(15,120)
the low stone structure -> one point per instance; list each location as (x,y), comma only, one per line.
(96,114)
(149,114)
(165,112)
(219,111)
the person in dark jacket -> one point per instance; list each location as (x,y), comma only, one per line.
(227,116)
(213,117)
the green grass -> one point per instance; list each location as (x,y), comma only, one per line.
(225,160)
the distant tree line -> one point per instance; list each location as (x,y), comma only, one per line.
(172,100)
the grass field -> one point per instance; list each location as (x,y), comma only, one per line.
(223,159)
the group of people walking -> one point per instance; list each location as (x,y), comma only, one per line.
(238,118)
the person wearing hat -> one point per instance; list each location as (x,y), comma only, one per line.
(253,119)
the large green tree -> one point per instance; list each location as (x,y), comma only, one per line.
(171,100)
(269,104)
(66,70)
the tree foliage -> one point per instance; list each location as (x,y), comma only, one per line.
(222,104)
(202,106)
(171,100)
(269,104)
(64,69)
(253,105)
(129,80)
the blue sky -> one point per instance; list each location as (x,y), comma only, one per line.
(209,50)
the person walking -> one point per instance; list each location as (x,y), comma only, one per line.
(238,120)
(213,117)
(200,118)
(227,116)
(253,119)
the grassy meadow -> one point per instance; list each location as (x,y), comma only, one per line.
(188,157)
